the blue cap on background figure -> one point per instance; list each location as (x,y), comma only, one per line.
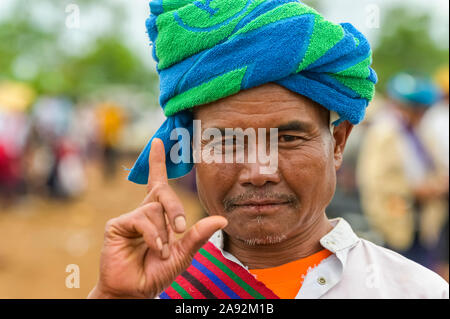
(413,90)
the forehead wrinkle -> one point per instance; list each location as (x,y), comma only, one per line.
(262,108)
(258,98)
(245,119)
(252,104)
(268,91)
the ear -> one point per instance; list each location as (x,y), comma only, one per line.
(341,134)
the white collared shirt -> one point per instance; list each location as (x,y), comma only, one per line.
(360,269)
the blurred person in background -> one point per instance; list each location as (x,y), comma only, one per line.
(57,166)
(435,129)
(85,131)
(403,191)
(15,99)
(111,123)
(435,124)
(14,129)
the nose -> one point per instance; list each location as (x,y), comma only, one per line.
(258,175)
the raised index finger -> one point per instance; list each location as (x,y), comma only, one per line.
(157,163)
(164,195)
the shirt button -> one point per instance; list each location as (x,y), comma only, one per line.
(322,281)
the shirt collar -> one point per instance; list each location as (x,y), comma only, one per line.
(341,237)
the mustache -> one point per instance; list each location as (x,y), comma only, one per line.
(231,203)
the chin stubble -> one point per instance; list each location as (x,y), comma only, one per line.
(266,240)
(230,204)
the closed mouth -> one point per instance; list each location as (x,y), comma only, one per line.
(261,206)
(261,203)
(253,203)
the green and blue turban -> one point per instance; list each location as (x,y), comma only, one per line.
(210,49)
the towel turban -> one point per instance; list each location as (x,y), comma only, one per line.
(210,49)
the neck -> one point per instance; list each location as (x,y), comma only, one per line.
(302,244)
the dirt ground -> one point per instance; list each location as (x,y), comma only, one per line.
(40,238)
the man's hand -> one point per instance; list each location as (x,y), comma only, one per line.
(140,256)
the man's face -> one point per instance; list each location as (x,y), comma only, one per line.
(269,208)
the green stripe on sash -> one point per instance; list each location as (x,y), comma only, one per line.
(183,293)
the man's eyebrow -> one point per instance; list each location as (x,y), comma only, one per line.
(222,130)
(289,126)
(295,126)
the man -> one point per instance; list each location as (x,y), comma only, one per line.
(254,66)
(403,190)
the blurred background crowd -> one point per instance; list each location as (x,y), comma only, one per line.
(79,100)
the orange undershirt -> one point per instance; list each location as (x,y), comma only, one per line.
(286,280)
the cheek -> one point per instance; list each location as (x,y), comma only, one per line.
(213,183)
(309,171)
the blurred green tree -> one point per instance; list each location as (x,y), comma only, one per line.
(32,49)
(405,44)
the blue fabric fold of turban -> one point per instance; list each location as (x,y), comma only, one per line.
(210,49)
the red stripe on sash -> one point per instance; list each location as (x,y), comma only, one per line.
(172,293)
(190,289)
(241,272)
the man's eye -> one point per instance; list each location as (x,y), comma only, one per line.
(289,138)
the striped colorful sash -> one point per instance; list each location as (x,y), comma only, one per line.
(212,276)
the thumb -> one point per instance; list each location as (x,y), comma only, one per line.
(199,234)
